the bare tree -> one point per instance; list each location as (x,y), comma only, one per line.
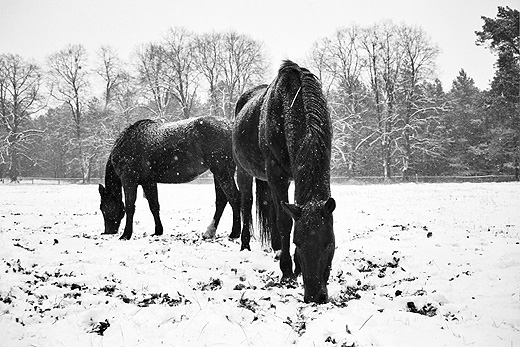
(383,54)
(229,63)
(396,61)
(181,77)
(69,79)
(121,93)
(242,66)
(345,67)
(209,62)
(110,69)
(20,98)
(152,69)
(126,99)
(321,64)
(418,65)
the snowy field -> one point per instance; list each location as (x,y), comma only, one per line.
(415,265)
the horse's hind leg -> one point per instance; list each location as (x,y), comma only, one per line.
(130,196)
(228,185)
(220,204)
(151,194)
(245,185)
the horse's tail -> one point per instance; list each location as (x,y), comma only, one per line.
(264,211)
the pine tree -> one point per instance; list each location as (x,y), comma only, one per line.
(503,101)
(465,127)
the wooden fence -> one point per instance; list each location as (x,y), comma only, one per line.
(208,179)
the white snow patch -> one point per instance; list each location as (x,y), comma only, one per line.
(415,265)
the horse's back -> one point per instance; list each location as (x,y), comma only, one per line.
(246,149)
(174,152)
(213,136)
(215,129)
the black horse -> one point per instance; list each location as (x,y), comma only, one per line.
(148,152)
(282,132)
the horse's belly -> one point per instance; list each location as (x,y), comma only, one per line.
(246,151)
(251,162)
(179,169)
(246,145)
(174,177)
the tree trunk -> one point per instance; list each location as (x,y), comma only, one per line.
(14,170)
(517,169)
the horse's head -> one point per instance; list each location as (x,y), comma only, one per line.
(113,210)
(315,244)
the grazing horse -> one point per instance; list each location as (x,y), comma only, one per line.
(149,152)
(282,132)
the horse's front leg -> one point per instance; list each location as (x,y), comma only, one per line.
(284,223)
(130,196)
(151,194)
(279,186)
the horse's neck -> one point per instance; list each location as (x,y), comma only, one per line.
(112,181)
(311,170)
(311,184)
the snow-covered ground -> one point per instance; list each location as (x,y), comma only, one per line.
(415,265)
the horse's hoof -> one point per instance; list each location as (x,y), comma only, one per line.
(289,281)
(247,247)
(234,235)
(157,234)
(211,231)
(125,237)
(287,278)
(208,236)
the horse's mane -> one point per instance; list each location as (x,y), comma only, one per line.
(312,161)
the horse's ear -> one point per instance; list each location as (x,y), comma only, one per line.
(294,210)
(329,207)
(101,190)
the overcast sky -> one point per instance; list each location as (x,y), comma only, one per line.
(38,28)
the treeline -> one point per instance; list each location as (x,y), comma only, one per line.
(183,75)
(391,116)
